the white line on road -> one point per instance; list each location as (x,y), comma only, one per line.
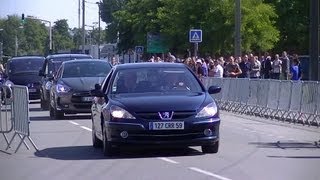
(281,137)
(208,173)
(74,123)
(88,129)
(168,160)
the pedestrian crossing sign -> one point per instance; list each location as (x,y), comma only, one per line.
(139,49)
(195,35)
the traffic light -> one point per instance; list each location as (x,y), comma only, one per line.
(22,18)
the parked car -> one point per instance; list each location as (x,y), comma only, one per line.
(154,104)
(49,69)
(24,71)
(70,90)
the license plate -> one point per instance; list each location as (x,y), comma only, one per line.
(87,99)
(173,125)
(32,90)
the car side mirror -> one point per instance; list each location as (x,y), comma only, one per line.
(97,87)
(41,73)
(214,89)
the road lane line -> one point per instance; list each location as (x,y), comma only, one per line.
(208,173)
(168,160)
(281,137)
(72,122)
(88,129)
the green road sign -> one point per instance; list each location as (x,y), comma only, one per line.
(156,44)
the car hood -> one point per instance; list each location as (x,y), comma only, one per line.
(82,83)
(161,102)
(25,78)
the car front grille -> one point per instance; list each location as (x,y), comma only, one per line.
(77,97)
(176,115)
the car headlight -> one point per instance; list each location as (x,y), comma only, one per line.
(48,85)
(208,111)
(61,88)
(118,112)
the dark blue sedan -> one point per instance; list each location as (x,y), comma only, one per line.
(161,104)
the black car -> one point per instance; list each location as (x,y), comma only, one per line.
(24,71)
(49,69)
(154,104)
(70,90)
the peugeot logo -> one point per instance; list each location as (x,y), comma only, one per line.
(167,115)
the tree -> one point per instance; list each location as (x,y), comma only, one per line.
(61,36)
(293,23)
(174,18)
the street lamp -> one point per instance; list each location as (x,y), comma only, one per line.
(50,30)
(99,5)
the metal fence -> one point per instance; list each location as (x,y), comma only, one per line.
(293,101)
(15,115)
(6,125)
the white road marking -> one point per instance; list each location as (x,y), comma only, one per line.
(168,160)
(270,135)
(280,136)
(74,123)
(208,173)
(88,129)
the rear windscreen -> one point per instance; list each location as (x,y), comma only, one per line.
(25,65)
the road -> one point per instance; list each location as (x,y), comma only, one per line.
(251,148)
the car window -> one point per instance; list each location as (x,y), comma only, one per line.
(25,65)
(86,69)
(155,80)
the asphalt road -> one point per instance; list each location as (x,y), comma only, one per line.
(250,148)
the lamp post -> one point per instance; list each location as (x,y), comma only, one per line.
(99,39)
(50,30)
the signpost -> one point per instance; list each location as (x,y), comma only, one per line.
(139,52)
(195,36)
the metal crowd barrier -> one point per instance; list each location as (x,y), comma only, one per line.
(20,116)
(292,101)
(6,125)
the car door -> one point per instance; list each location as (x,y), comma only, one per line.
(96,108)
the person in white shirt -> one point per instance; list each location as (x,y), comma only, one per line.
(276,67)
(217,69)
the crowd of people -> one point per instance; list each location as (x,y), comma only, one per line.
(248,66)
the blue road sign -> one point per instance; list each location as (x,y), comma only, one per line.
(195,35)
(139,49)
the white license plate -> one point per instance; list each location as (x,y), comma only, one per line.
(172,125)
(87,99)
(32,90)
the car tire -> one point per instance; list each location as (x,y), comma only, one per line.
(96,142)
(44,105)
(51,112)
(107,148)
(210,149)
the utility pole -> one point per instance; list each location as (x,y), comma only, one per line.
(237,39)
(79,12)
(99,40)
(314,65)
(83,29)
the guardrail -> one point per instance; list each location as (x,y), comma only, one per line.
(292,101)
(19,116)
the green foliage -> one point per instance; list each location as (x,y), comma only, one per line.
(61,37)
(174,18)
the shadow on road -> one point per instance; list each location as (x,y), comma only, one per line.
(90,153)
(296,157)
(66,118)
(285,145)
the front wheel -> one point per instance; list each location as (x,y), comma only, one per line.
(210,149)
(44,104)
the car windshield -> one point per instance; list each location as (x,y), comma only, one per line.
(55,63)
(86,69)
(25,65)
(155,80)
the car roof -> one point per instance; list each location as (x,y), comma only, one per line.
(27,57)
(148,65)
(85,60)
(67,55)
